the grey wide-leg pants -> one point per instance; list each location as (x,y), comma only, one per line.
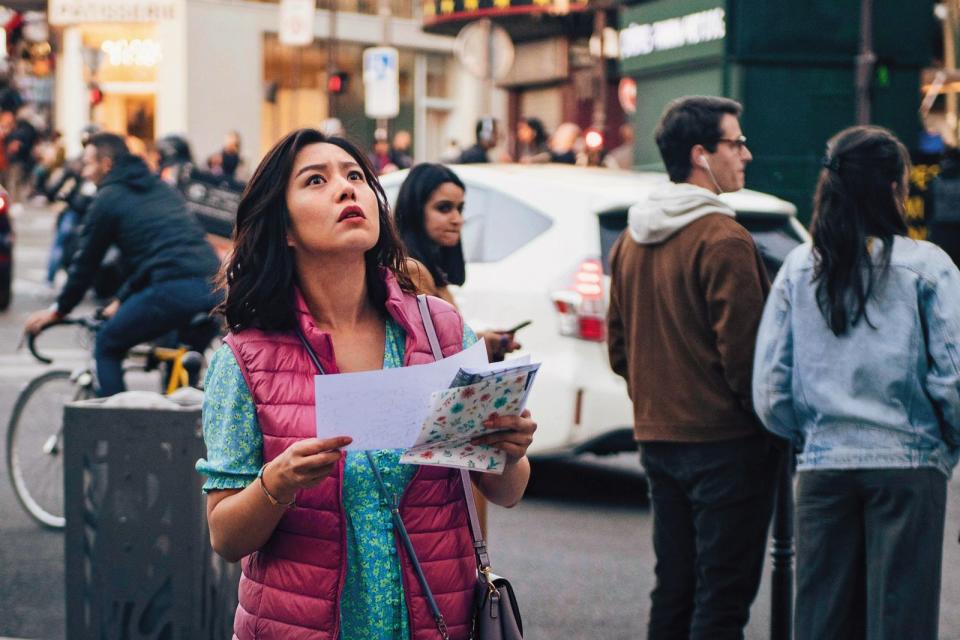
(869,554)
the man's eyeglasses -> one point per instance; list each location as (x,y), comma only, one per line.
(739,143)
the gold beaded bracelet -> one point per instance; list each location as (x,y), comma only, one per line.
(288,505)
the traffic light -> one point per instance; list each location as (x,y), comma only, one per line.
(337,82)
(95,94)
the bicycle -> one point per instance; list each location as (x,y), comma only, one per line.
(35,430)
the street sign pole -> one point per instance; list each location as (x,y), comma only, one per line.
(866,60)
(781,551)
(385,15)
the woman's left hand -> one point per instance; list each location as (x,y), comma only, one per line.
(515,441)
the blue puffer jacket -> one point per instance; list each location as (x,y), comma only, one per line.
(880,396)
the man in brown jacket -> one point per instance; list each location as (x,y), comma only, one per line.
(687,292)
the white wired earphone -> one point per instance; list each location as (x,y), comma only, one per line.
(706,165)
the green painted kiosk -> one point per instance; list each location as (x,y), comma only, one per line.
(791,64)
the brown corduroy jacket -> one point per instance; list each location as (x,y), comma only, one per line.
(682,324)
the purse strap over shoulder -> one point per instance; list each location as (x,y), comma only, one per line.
(479,544)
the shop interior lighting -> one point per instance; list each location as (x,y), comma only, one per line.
(132,53)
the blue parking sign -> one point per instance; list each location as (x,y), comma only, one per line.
(381,82)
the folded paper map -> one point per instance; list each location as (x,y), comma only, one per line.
(457,414)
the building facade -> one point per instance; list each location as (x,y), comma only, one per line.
(564,58)
(206,67)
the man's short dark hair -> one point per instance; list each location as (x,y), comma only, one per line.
(689,121)
(109,145)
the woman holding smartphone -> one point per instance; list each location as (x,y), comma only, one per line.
(429,216)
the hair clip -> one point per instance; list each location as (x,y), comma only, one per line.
(831,162)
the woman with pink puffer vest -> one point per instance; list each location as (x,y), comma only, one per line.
(317,271)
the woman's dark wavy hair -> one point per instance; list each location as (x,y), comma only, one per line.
(540,136)
(259,277)
(445,264)
(860,195)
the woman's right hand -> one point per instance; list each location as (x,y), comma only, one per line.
(302,465)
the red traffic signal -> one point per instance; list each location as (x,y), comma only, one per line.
(337,82)
(95,94)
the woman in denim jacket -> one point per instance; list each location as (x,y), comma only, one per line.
(857,365)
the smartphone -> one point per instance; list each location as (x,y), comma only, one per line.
(518,327)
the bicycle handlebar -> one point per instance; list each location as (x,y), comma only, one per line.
(87,323)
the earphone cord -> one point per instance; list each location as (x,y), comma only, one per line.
(706,165)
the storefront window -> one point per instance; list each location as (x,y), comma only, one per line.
(121,61)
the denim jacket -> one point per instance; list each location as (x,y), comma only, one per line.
(875,397)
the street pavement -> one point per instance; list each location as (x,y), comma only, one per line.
(577,549)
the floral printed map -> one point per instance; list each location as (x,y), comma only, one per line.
(457,416)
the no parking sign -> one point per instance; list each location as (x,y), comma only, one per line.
(381,82)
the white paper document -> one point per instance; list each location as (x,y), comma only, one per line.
(385,409)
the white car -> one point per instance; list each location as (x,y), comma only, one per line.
(536,240)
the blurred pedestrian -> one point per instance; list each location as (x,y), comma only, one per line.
(429,215)
(621,156)
(19,143)
(681,333)
(175,158)
(68,185)
(532,141)
(168,264)
(856,363)
(563,143)
(488,135)
(49,155)
(227,161)
(379,155)
(337,295)
(400,149)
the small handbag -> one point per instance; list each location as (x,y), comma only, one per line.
(496,614)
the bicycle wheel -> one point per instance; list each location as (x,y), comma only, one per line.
(35,445)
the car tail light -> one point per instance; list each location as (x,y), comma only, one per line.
(581,307)
(4,203)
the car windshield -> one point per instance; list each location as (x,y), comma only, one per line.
(773,233)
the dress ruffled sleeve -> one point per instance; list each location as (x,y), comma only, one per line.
(230,428)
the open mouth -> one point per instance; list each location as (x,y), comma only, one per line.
(353,211)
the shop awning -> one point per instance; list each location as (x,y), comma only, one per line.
(448,16)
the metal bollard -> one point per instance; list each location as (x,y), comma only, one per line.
(138,557)
(782,553)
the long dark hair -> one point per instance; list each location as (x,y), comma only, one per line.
(540,136)
(260,275)
(859,195)
(445,264)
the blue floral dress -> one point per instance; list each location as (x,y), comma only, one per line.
(372,606)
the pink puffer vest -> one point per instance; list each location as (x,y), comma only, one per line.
(290,588)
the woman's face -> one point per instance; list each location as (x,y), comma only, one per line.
(332,207)
(443,215)
(525,133)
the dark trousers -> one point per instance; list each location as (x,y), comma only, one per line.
(869,554)
(711,509)
(146,315)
